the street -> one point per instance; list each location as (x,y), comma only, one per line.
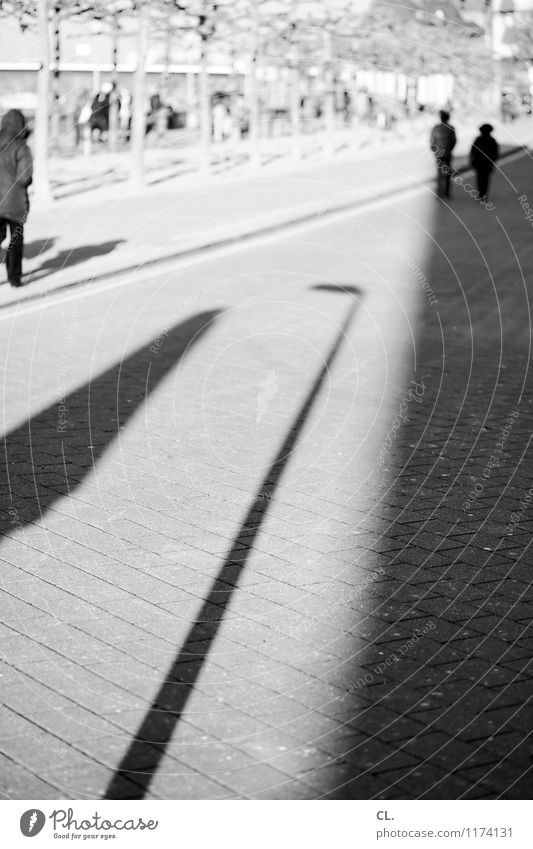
(268,516)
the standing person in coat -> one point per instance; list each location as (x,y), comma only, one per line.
(442,143)
(100,112)
(15,177)
(483,155)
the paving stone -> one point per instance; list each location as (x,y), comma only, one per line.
(222,578)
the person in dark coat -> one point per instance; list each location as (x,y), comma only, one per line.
(442,142)
(15,176)
(483,155)
(100,114)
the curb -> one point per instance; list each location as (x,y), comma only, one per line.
(227,241)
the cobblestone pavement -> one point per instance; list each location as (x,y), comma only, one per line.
(267,518)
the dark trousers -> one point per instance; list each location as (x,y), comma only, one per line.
(14,249)
(483,180)
(444,169)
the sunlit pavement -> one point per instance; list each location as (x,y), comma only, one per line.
(175,157)
(91,235)
(268,518)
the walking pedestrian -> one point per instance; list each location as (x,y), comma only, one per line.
(82,115)
(15,176)
(100,112)
(83,118)
(442,143)
(483,155)
(125,113)
(219,117)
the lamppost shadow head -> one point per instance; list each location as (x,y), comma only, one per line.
(345,289)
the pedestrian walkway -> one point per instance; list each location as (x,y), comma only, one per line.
(268,518)
(94,235)
(175,159)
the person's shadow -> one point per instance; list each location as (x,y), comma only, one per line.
(38,247)
(69,257)
(31,249)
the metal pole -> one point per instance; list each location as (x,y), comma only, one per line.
(164,92)
(255,155)
(139,105)
(329,94)
(41,182)
(114,96)
(295,96)
(205,110)
(56,98)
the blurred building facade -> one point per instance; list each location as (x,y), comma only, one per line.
(90,55)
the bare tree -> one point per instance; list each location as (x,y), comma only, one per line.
(30,14)
(138,127)
(41,181)
(38,14)
(114,95)
(206,30)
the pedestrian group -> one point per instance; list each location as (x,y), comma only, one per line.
(16,168)
(483,154)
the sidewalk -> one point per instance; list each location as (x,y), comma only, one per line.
(227,573)
(176,157)
(112,230)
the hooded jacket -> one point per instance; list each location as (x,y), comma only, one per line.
(442,140)
(15,167)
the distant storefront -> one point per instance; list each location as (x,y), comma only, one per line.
(86,53)
(432,90)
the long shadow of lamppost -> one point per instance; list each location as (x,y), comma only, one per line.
(140,762)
